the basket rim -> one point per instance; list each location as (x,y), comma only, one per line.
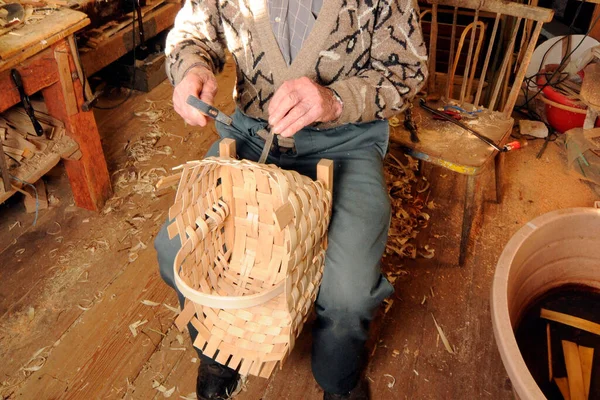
(224,302)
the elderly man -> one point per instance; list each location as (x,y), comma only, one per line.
(324,76)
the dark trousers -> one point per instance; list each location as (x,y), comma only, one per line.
(353,286)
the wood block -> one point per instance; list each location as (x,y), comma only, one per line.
(325,173)
(575,376)
(586,356)
(42,197)
(227,148)
(563,386)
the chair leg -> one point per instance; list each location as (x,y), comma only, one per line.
(499,173)
(468,214)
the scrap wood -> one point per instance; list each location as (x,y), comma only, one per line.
(133,327)
(586,356)
(570,320)
(408,200)
(443,336)
(574,374)
(563,386)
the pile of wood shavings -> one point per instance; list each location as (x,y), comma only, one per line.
(409,195)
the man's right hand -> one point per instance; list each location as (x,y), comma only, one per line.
(199,82)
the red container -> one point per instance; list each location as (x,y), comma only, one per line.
(562,113)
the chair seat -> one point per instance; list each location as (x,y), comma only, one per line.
(448,145)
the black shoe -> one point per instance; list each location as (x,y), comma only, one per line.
(360,392)
(216,382)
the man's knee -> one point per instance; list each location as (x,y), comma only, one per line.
(166,250)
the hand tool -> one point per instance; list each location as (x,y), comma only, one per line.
(485,139)
(209,110)
(218,115)
(454,114)
(409,125)
(268,145)
(16,77)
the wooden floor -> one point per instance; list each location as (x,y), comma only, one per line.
(70,286)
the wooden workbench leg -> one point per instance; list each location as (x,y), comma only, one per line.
(469,212)
(89,178)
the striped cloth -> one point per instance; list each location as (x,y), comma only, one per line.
(292,21)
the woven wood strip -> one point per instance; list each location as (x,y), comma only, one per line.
(251,261)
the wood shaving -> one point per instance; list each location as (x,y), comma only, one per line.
(14,225)
(85,304)
(178,348)
(180,339)
(416,373)
(388,305)
(443,336)
(133,327)
(165,392)
(428,252)
(171,308)
(150,303)
(85,274)
(31,314)
(393,381)
(132,257)
(55,231)
(159,332)
(395,353)
(139,246)
(37,361)
(408,195)
(19,252)
(189,396)
(194,360)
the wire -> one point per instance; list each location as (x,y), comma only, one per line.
(564,59)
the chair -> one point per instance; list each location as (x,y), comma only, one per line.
(446,144)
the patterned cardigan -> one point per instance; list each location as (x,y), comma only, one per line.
(371,52)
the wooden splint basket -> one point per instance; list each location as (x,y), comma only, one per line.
(251,262)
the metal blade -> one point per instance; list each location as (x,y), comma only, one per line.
(478,135)
(267,148)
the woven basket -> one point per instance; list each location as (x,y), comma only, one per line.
(251,262)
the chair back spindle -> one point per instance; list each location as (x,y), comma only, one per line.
(524,24)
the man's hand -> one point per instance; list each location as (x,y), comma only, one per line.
(299,103)
(199,82)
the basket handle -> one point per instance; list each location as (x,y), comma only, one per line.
(227,302)
(224,302)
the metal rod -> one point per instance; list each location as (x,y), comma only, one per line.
(440,114)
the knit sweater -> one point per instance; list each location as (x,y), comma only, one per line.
(370,52)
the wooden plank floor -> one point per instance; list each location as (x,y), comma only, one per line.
(70,290)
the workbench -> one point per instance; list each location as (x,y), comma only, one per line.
(42,53)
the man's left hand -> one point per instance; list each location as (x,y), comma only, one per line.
(299,103)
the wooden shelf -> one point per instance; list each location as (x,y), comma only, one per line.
(111,46)
(41,163)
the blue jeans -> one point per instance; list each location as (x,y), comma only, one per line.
(353,286)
